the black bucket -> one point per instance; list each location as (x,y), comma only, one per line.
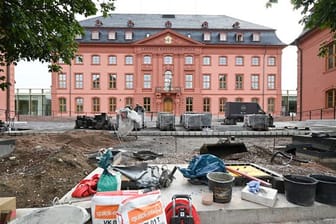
(325,189)
(300,190)
(221,184)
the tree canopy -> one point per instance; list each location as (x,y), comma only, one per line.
(315,13)
(43,30)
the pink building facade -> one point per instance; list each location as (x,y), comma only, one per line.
(7,96)
(316,75)
(171,63)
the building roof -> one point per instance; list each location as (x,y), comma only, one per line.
(187,25)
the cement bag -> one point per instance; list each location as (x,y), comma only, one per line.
(104,205)
(142,209)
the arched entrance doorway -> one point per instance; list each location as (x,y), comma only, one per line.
(168,105)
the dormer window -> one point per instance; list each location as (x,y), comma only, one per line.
(168,24)
(130,23)
(128,35)
(95,35)
(78,37)
(98,23)
(255,37)
(222,36)
(239,37)
(112,35)
(205,25)
(206,36)
(236,25)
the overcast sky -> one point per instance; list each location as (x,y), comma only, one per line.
(280,17)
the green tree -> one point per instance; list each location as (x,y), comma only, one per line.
(315,13)
(43,30)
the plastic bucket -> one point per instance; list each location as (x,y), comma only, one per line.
(300,190)
(325,189)
(221,184)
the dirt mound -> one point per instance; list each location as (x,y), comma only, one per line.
(46,166)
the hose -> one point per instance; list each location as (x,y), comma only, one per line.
(290,157)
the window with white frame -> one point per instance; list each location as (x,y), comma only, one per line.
(255,37)
(112,60)
(79,59)
(254,81)
(129,101)
(331,98)
(112,104)
(222,36)
(128,35)
(96,104)
(239,81)
(95,35)
(95,81)
(147,81)
(206,81)
(255,61)
(79,104)
(239,37)
(239,99)
(271,61)
(112,35)
(168,80)
(79,80)
(222,102)
(271,81)
(239,60)
(206,104)
(206,60)
(147,103)
(188,60)
(331,56)
(189,104)
(147,59)
(129,60)
(222,60)
(188,81)
(206,36)
(168,60)
(62,104)
(129,81)
(222,81)
(62,80)
(112,81)
(95,59)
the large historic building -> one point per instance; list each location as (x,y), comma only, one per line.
(172,63)
(316,97)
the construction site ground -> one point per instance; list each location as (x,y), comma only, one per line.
(52,157)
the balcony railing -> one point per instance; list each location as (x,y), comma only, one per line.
(168,89)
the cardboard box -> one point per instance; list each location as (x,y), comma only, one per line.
(7,209)
(266,196)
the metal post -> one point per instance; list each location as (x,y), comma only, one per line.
(321,112)
(8,93)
